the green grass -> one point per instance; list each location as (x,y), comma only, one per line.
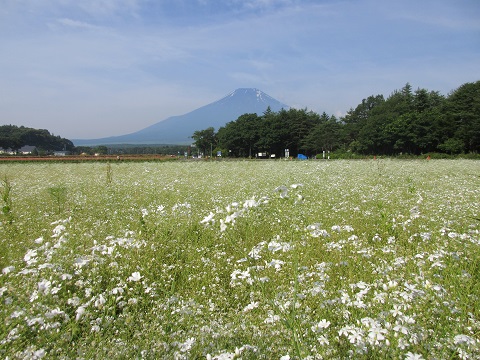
(222,260)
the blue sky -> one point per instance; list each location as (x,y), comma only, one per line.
(95,68)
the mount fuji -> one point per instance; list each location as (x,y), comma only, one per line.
(179,129)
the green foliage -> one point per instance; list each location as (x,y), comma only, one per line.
(463,115)
(101,150)
(7,200)
(59,196)
(240,136)
(126,149)
(14,137)
(407,122)
(109,176)
(205,140)
(452,146)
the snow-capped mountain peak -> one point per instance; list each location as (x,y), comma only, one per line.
(178,129)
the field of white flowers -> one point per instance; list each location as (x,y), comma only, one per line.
(253,260)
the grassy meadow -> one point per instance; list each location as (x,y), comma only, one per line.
(366,259)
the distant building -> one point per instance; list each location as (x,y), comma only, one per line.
(24,150)
(27,149)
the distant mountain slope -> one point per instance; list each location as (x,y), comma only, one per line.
(178,129)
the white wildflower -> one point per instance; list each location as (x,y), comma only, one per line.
(8,270)
(464,339)
(75,301)
(223,226)
(17,314)
(400,329)
(135,277)
(55,312)
(319,232)
(117,290)
(276,245)
(39,240)
(187,345)
(100,301)
(80,311)
(277,264)
(319,327)
(58,230)
(237,275)
(39,354)
(36,320)
(323,340)
(396,310)
(425,236)
(251,306)
(377,238)
(44,286)
(376,334)
(272,318)
(255,252)
(208,218)
(412,356)
(34,296)
(250,203)
(414,212)
(132,301)
(80,262)
(30,257)
(336,228)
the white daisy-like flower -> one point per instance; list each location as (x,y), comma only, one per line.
(319,327)
(8,270)
(80,311)
(412,356)
(187,345)
(135,277)
(208,218)
(251,306)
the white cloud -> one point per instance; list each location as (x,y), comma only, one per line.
(78,24)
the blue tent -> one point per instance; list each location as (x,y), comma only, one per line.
(301,157)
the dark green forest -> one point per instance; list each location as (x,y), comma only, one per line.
(15,137)
(406,122)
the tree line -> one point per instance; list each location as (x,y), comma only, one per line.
(406,122)
(15,137)
(125,149)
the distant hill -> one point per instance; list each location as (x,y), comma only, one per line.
(178,129)
(14,137)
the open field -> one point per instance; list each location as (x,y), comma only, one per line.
(253,260)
